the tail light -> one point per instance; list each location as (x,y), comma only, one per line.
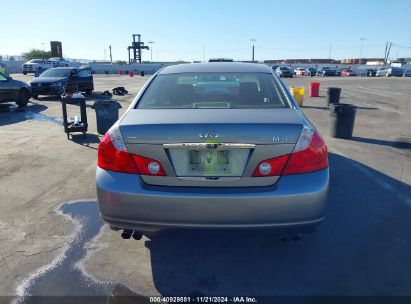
(309,155)
(113,156)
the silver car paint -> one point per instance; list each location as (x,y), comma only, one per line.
(126,202)
(151,203)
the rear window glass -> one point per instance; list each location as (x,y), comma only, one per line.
(213,90)
(56,73)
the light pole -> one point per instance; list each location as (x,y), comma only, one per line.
(362,44)
(151,49)
(253,41)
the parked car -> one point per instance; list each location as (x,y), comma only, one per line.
(59,62)
(347,73)
(56,81)
(407,73)
(14,90)
(178,159)
(367,72)
(36,66)
(274,67)
(389,71)
(2,68)
(327,71)
(284,71)
(299,71)
(311,71)
(89,67)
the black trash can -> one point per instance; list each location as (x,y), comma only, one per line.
(342,117)
(141,73)
(333,95)
(106,114)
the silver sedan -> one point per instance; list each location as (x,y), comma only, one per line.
(213,145)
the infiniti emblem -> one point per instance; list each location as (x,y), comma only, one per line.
(209,135)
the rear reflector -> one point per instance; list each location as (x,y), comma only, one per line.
(147,166)
(271,167)
(112,159)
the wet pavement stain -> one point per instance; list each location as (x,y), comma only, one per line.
(65,278)
(41,117)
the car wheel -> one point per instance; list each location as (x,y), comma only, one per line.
(23,99)
(24,73)
(89,92)
(35,96)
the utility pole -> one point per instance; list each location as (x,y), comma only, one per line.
(388,52)
(111,56)
(151,49)
(329,53)
(362,44)
(253,42)
(385,53)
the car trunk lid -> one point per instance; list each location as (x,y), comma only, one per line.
(211,147)
(258,126)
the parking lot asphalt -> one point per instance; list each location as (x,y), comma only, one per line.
(363,248)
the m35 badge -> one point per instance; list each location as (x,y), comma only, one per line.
(280,139)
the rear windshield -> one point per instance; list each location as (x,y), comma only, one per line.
(56,73)
(212,91)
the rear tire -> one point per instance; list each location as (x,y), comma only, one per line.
(89,92)
(24,73)
(35,96)
(23,99)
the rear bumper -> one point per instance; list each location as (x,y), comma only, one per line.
(295,201)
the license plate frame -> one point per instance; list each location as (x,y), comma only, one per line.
(209,162)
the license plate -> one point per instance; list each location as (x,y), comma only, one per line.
(209,162)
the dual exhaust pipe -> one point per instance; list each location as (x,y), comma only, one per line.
(127,234)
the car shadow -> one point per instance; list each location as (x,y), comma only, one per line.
(362,248)
(402,143)
(13,114)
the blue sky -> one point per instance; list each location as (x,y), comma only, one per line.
(181,29)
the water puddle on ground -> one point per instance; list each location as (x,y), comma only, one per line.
(41,117)
(62,277)
(25,114)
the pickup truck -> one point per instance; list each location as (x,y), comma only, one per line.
(59,62)
(36,65)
